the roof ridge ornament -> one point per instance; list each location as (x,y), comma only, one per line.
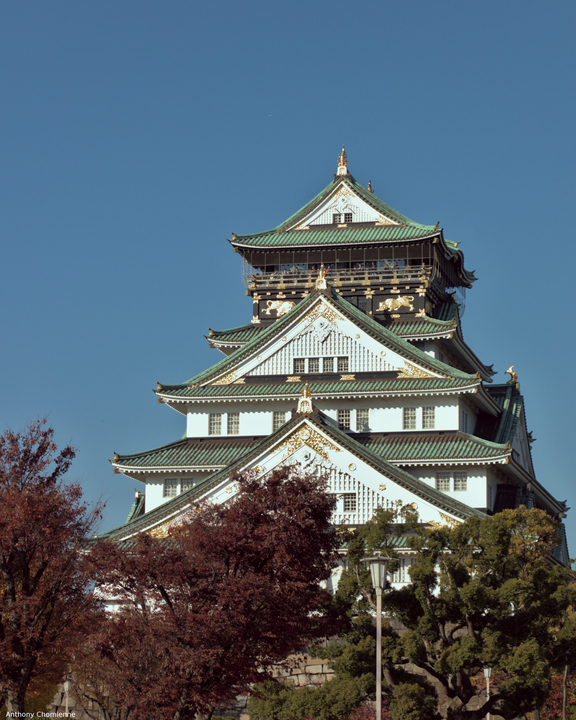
(370,186)
(305,401)
(321,279)
(342,163)
(513,376)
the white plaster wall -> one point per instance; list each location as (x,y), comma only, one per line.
(155,487)
(467,409)
(476,494)
(255,417)
(385,415)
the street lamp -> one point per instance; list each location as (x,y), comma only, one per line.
(67,684)
(378,565)
(488,675)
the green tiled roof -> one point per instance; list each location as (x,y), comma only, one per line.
(195,452)
(350,235)
(329,387)
(433,447)
(421,326)
(368,324)
(190,451)
(508,397)
(240,334)
(402,477)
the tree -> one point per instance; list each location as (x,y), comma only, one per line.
(352,656)
(44,594)
(484,593)
(229,592)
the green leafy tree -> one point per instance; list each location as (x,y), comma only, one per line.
(483,593)
(352,657)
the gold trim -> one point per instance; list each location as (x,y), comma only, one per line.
(311,438)
(293,378)
(347,377)
(305,401)
(228,379)
(159,531)
(412,371)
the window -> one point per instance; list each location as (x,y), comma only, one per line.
(409,419)
(328,365)
(336,218)
(187,484)
(347,217)
(428,418)
(443,481)
(278,419)
(170,488)
(401,574)
(342,364)
(314,365)
(362,303)
(344,419)
(460,481)
(233,424)
(214,424)
(349,502)
(299,366)
(362,416)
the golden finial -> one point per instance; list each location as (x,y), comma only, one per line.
(370,186)
(116,456)
(437,226)
(342,167)
(321,279)
(305,401)
(234,236)
(159,386)
(513,376)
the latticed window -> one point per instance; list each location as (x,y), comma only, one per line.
(362,420)
(278,419)
(409,419)
(299,366)
(314,365)
(214,424)
(328,365)
(187,484)
(342,364)
(400,575)
(428,418)
(336,218)
(443,481)
(233,424)
(362,303)
(349,502)
(347,217)
(460,481)
(170,488)
(344,419)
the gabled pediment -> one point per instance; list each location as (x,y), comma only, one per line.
(326,328)
(342,200)
(361,480)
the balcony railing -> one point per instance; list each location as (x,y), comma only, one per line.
(351,276)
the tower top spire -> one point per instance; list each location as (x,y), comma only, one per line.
(342,163)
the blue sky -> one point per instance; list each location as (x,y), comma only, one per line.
(136,136)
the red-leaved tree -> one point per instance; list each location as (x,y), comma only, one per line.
(45,597)
(209,609)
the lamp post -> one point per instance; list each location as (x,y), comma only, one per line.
(487,675)
(66,691)
(378,565)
